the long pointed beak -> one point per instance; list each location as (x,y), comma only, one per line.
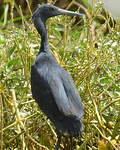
(66,12)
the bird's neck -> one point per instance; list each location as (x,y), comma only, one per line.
(41,27)
(44,43)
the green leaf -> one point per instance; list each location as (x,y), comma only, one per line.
(13,62)
(11,50)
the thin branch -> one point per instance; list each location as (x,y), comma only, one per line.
(18,118)
(104,137)
(108,105)
(1,123)
(92,28)
(34,141)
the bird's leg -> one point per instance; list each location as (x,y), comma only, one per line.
(59,140)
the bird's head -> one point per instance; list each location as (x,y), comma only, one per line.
(46,11)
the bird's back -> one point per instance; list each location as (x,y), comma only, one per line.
(55,93)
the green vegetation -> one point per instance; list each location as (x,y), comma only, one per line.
(95,69)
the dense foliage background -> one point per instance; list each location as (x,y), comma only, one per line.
(94,64)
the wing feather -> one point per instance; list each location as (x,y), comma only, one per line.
(66,96)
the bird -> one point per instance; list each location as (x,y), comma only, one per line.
(52,87)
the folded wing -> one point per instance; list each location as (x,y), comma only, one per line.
(66,96)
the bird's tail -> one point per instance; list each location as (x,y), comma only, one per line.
(73,127)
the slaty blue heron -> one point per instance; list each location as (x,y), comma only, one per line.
(52,87)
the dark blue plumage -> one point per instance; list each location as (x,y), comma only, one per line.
(52,87)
